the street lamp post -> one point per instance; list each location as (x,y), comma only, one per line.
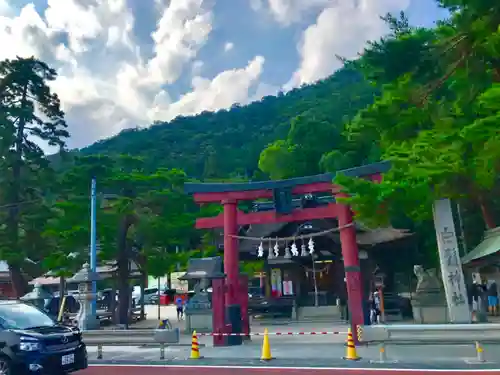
(93,241)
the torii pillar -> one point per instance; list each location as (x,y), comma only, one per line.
(231,253)
(352,267)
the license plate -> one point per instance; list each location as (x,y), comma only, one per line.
(67,359)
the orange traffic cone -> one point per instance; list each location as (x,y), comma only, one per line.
(195,347)
(351,354)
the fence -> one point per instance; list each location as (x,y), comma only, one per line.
(312,333)
(438,334)
(138,337)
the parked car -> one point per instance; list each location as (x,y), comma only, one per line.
(136,294)
(150,296)
(33,343)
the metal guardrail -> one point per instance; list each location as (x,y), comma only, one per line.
(429,334)
(131,337)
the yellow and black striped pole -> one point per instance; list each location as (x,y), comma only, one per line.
(195,347)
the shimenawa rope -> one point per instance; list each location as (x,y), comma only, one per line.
(292,238)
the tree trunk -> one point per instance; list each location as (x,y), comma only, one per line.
(496,74)
(169,280)
(123,271)
(488,216)
(19,283)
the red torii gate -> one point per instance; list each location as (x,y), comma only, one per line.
(229,194)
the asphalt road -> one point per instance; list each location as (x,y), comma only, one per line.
(244,370)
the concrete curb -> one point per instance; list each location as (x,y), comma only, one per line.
(310,363)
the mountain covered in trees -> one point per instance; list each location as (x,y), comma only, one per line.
(228,143)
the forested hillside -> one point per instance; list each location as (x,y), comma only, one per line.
(228,143)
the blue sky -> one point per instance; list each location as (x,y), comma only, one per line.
(127,63)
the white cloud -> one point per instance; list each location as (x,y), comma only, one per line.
(287,12)
(110,80)
(4,8)
(227,88)
(107,80)
(341,29)
(256,5)
(228,46)
(197,67)
(264,89)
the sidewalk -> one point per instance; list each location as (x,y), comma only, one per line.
(292,347)
(169,312)
(305,355)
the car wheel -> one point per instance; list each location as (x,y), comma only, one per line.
(5,368)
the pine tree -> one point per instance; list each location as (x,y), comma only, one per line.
(30,114)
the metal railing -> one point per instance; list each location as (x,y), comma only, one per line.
(437,334)
(131,337)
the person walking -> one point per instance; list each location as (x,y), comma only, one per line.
(179,302)
(342,305)
(375,308)
(493,298)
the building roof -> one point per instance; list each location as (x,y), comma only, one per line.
(203,268)
(365,237)
(105,271)
(490,245)
(5,272)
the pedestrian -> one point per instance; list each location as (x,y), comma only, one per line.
(482,302)
(179,302)
(375,308)
(342,305)
(493,298)
(475,294)
(471,298)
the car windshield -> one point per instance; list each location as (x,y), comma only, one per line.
(23,316)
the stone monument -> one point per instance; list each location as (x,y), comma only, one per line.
(198,310)
(84,278)
(429,300)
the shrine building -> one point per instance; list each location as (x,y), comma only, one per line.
(300,284)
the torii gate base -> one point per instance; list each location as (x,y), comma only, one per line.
(230,299)
(222,314)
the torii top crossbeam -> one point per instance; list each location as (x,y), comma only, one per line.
(223,192)
(217,192)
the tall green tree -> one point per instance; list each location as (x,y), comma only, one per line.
(436,118)
(316,132)
(30,116)
(143,216)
